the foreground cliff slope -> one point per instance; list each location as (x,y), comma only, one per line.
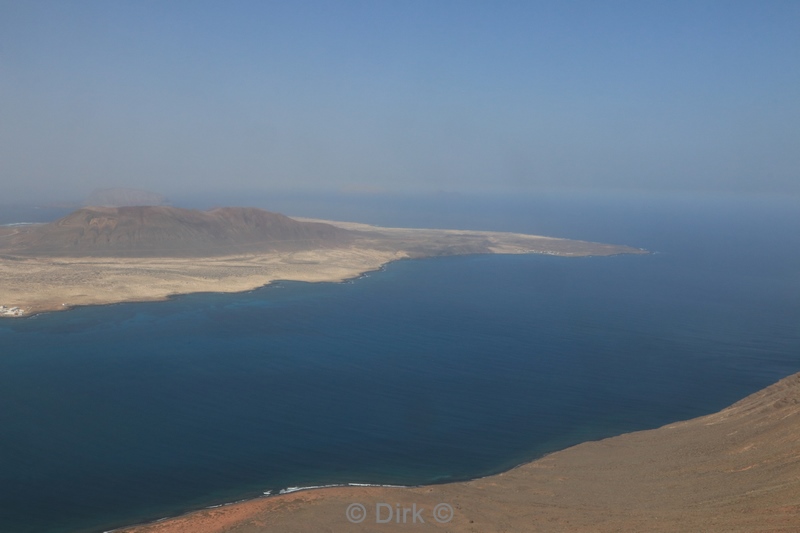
(737,470)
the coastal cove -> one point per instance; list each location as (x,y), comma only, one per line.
(427,371)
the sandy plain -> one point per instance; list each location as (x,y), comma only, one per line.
(737,470)
(45,283)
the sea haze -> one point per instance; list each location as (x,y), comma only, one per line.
(427,371)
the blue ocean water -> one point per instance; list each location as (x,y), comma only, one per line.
(427,371)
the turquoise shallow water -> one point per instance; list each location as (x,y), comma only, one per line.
(428,371)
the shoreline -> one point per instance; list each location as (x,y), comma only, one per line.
(737,469)
(168,285)
(38,284)
(37,312)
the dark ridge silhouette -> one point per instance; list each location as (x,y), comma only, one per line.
(122,197)
(160,231)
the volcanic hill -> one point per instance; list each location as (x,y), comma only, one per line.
(150,231)
(124,197)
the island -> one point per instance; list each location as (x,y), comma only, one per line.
(104,255)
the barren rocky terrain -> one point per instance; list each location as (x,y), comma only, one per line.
(737,470)
(109,255)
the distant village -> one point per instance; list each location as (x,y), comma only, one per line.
(11,311)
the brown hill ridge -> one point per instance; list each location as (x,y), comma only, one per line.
(149,231)
(120,197)
(737,470)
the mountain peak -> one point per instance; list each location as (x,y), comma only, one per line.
(151,231)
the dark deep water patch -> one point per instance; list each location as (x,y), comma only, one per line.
(430,371)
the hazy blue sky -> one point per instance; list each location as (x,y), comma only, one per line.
(398,96)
